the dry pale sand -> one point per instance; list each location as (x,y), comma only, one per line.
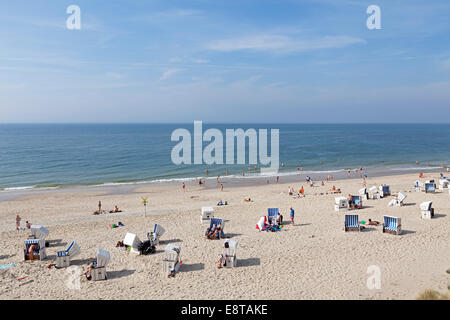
(315,259)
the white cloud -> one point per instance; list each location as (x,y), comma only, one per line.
(168,73)
(282,43)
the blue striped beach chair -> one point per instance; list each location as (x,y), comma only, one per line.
(63,257)
(38,252)
(272,213)
(385,191)
(217,222)
(392,225)
(351,222)
(158,231)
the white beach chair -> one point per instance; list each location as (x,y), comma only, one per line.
(373,193)
(364,194)
(426,210)
(133,242)
(351,222)
(418,186)
(158,232)
(443,184)
(392,225)
(230,254)
(39,232)
(398,201)
(171,261)
(99,272)
(63,257)
(207,214)
(39,252)
(340,203)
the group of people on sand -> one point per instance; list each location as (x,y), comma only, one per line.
(18,220)
(101,211)
(300,193)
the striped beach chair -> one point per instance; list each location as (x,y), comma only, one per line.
(99,271)
(351,222)
(39,232)
(63,257)
(38,253)
(217,222)
(272,213)
(392,225)
(158,231)
(385,190)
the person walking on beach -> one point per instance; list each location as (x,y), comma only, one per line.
(18,218)
(278,179)
(206,171)
(221,187)
(292,216)
(184,187)
(99,207)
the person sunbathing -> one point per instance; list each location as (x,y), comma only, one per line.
(248,200)
(116,209)
(373,223)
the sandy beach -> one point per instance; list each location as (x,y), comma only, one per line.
(314,259)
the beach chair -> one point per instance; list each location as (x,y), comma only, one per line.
(398,201)
(418,186)
(364,194)
(392,225)
(261,223)
(272,213)
(356,202)
(443,184)
(207,214)
(385,191)
(171,261)
(133,242)
(99,271)
(351,222)
(39,252)
(230,254)
(373,193)
(340,203)
(426,210)
(158,232)
(39,232)
(430,187)
(217,222)
(63,257)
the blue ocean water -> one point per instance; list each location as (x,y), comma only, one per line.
(52,155)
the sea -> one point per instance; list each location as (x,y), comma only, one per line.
(53,156)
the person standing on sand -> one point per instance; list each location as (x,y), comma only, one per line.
(184,187)
(99,207)
(18,218)
(221,187)
(278,179)
(292,216)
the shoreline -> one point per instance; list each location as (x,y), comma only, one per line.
(231,181)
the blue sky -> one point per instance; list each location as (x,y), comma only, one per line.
(225,61)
